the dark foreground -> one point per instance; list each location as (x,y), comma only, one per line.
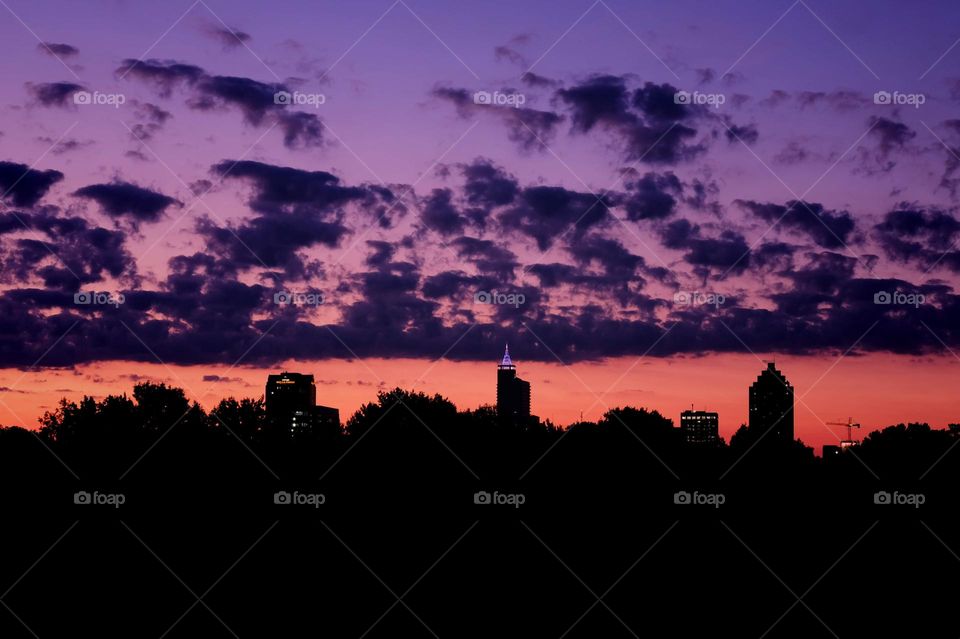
(599,532)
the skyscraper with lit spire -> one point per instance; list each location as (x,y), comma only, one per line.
(513,393)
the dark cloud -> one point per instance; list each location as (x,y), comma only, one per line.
(828,229)
(503,52)
(54,94)
(64,252)
(925,236)
(489,257)
(128,201)
(258,102)
(58,50)
(747,134)
(65,145)
(295,209)
(228,37)
(164,75)
(538,81)
(151,118)
(529,128)
(619,264)
(24,186)
(727,253)
(793,153)
(652,196)
(546,212)
(651,125)
(890,135)
(439,213)
(487,185)
(277,187)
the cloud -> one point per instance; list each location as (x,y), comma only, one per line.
(228,37)
(151,118)
(58,50)
(529,128)
(489,257)
(650,125)
(828,229)
(74,253)
(258,102)
(24,186)
(66,145)
(727,253)
(925,236)
(54,94)
(890,135)
(128,201)
(546,212)
(651,196)
(295,209)
(439,213)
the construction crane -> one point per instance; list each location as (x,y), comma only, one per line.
(850,426)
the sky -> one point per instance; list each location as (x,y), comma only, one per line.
(647,201)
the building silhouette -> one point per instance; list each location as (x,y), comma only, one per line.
(771,406)
(291,405)
(513,393)
(699,428)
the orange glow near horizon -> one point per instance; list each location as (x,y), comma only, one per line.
(875,390)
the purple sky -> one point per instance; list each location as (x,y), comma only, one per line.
(419,198)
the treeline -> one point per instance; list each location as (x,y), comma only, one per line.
(158,430)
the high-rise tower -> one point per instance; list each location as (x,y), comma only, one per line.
(771,406)
(513,393)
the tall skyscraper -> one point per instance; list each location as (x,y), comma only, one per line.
(700,428)
(771,406)
(513,393)
(291,403)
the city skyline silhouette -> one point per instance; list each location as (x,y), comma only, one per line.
(588,318)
